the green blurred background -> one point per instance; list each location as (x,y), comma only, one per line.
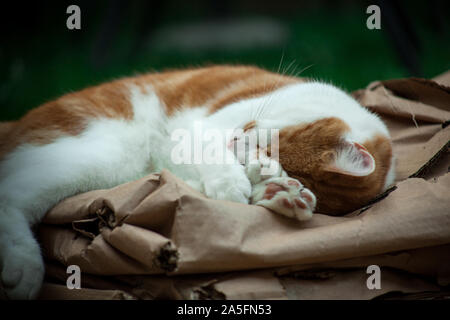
(40,59)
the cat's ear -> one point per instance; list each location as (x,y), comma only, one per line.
(352,159)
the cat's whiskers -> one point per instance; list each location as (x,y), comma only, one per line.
(281,62)
(262,108)
(286,70)
(303,70)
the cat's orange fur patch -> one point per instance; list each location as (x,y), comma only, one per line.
(214,86)
(305,152)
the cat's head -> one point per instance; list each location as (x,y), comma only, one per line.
(343,174)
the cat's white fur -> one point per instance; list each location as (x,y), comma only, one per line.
(113,151)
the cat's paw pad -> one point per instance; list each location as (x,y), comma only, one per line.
(285,196)
(22,275)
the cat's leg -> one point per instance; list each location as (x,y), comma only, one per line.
(20,257)
(274,190)
(36,177)
(24,201)
(207,165)
(221,181)
(226,182)
(286,196)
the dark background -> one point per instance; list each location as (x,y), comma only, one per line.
(40,59)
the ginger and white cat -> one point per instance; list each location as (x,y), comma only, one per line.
(335,155)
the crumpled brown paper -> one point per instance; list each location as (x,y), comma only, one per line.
(158,238)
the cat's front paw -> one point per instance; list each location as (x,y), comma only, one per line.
(233,186)
(263,168)
(285,196)
(22,273)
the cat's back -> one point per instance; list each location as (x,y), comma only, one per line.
(213,87)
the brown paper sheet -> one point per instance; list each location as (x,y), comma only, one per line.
(260,285)
(351,285)
(158,238)
(241,237)
(52,291)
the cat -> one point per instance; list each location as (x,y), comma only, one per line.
(333,154)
